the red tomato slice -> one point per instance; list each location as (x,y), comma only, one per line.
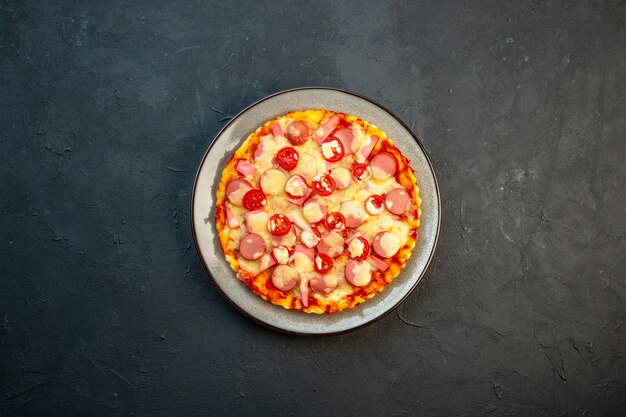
(335,221)
(279,224)
(323,263)
(332,149)
(287,158)
(366,248)
(324,184)
(375,204)
(297,132)
(254,199)
(361,171)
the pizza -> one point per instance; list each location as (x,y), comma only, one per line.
(317,211)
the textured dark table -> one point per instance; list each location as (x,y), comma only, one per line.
(107,108)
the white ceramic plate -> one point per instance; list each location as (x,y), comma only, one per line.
(203,211)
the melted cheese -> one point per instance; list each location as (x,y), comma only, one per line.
(356,248)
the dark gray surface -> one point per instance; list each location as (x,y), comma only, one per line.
(107,108)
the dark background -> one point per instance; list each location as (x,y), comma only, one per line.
(106,109)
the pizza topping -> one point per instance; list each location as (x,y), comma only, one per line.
(272,181)
(252,246)
(282,255)
(323,263)
(256,220)
(314,210)
(335,221)
(304,291)
(297,132)
(288,240)
(311,237)
(254,199)
(279,224)
(245,168)
(364,152)
(287,158)
(359,248)
(285,277)
(326,129)
(267,261)
(298,201)
(277,131)
(233,221)
(377,263)
(296,186)
(375,205)
(331,244)
(361,172)
(345,135)
(384,166)
(236,189)
(354,213)
(397,201)
(386,244)
(358,273)
(324,185)
(332,149)
(342,177)
(303,259)
(323,284)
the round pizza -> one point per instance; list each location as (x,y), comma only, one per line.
(317,211)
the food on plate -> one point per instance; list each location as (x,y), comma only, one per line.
(317,211)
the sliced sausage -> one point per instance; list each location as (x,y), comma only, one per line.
(323,284)
(358,273)
(331,244)
(397,201)
(236,189)
(342,177)
(273,181)
(386,244)
(285,277)
(383,165)
(314,210)
(252,246)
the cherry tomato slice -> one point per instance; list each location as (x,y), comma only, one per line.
(361,172)
(279,224)
(324,184)
(254,199)
(297,132)
(353,248)
(335,221)
(287,158)
(332,149)
(375,204)
(323,263)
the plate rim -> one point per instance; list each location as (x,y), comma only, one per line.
(256,319)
